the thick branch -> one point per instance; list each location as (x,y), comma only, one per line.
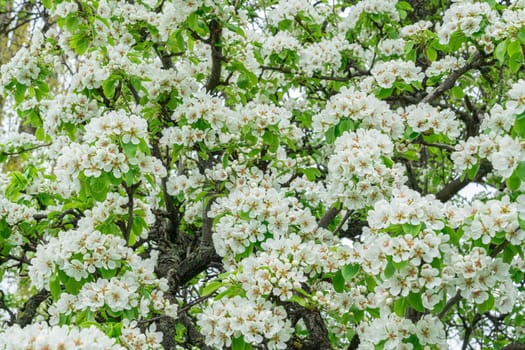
(314,76)
(457,184)
(449,82)
(328,217)
(194,264)
(514,346)
(317,332)
(216,55)
(30,307)
(130,191)
(452,301)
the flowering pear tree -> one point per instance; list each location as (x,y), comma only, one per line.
(264,174)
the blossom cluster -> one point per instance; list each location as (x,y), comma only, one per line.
(480,277)
(251,214)
(115,207)
(255,320)
(322,56)
(404,256)
(82,254)
(20,141)
(392,47)
(508,24)
(488,220)
(501,119)
(386,7)
(415,29)
(41,336)
(393,330)
(23,68)
(285,264)
(424,117)
(467,16)
(223,124)
(113,144)
(444,65)
(68,108)
(359,173)
(503,151)
(14,213)
(133,337)
(364,109)
(286,9)
(387,73)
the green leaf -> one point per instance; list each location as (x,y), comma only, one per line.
(339,282)
(515,62)
(20,93)
(17,184)
(48,4)
(297,299)
(99,187)
(107,274)
(211,287)
(238,343)
(5,229)
(73,286)
(509,253)
(519,127)
(403,5)
(272,140)
(108,87)
(387,161)
(80,42)
(311,173)
(345,125)
(176,42)
(521,35)
(414,300)
(400,307)
(330,135)
(456,40)
(410,155)
(54,286)
(472,171)
(513,182)
(411,229)
(431,54)
(384,93)
(235,29)
(513,48)
(72,21)
(457,92)
(286,24)
(487,305)
(349,271)
(130,149)
(390,269)
(501,50)
(520,171)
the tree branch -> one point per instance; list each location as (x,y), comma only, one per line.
(457,184)
(194,264)
(514,346)
(450,303)
(328,217)
(452,78)
(30,307)
(3,153)
(314,76)
(216,55)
